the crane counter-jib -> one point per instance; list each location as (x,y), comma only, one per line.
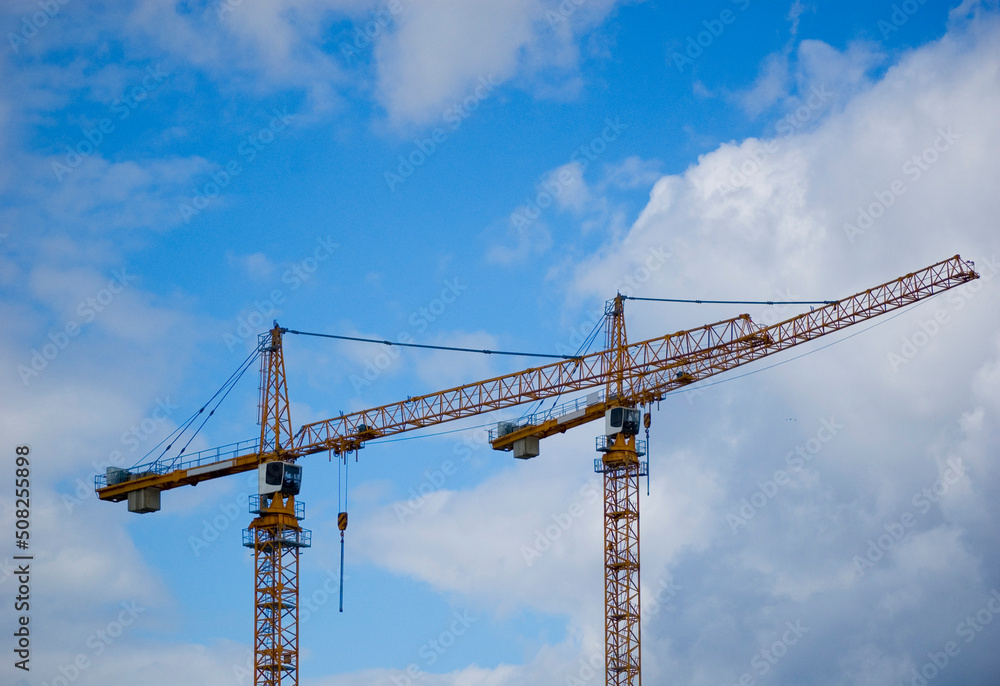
(116,484)
(652,368)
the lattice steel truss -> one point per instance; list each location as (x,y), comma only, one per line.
(622,469)
(276,538)
(275,419)
(650,368)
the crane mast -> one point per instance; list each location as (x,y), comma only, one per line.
(621,468)
(275,534)
(626,377)
(275,416)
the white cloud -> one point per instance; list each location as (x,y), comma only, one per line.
(788,78)
(970,9)
(845,72)
(795,13)
(427,56)
(565,191)
(633,172)
(259,46)
(442,48)
(573,194)
(256,266)
(770,86)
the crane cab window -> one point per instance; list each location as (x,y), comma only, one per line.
(622,420)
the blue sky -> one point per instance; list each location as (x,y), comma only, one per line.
(487,174)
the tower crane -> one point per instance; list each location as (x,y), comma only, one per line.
(622,379)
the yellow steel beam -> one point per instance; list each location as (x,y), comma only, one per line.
(552,426)
(183,477)
(195,475)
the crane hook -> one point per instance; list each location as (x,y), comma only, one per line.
(342,525)
(646,421)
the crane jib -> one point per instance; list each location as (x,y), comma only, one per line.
(651,369)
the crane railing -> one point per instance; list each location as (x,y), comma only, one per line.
(575,407)
(203,458)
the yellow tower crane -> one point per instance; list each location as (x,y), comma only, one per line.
(623,378)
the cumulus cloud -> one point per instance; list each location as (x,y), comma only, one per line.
(254,45)
(633,172)
(426,55)
(442,48)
